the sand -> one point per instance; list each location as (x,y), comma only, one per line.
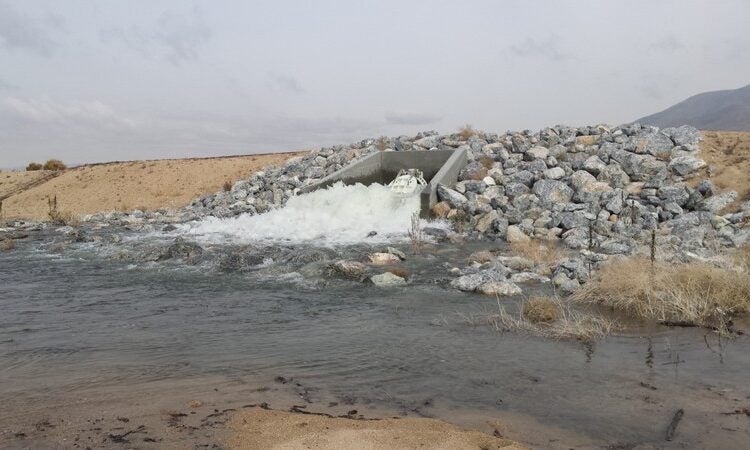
(15,181)
(729,153)
(125,186)
(258,428)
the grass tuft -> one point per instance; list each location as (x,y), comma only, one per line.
(539,252)
(467,131)
(541,310)
(7,244)
(688,293)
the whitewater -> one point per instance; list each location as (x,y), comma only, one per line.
(338,215)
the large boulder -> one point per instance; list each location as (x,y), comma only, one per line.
(552,192)
(499,289)
(387,279)
(454,198)
(469,283)
(685,164)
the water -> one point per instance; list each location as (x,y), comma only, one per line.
(334,216)
(96,317)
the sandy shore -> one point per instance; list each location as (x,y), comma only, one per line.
(126,186)
(259,428)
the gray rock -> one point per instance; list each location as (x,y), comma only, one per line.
(685,135)
(454,198)
(554,173)
(349,269)
(552,192)
(387,279)
(469,283)
(718,202)
(499,289)
(685,164)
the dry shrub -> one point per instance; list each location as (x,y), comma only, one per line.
(7,244)
(54,164)
(63,218)
(539,252)
(541,310)
(742,257)
(688,293)
(33,166)
(227,186)
(568,324)
(399,272)
(381,143)
(479,174)
(467,131)
(486,161)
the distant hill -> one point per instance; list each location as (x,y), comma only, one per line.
(719,110)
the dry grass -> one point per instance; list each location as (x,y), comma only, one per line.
(541,310)
(381,143)
(416,235)
(742,257)
(54,165)
(33,166)
(468,131)
(63,218)
(486,161)
(7,244)
(539,252)
(690,294)
(227,186)
(728,152)
(567,324)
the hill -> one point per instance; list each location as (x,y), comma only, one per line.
(125,186)
(727,110)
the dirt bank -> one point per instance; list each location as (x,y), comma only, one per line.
(258,428)
(729,154)
(127,185)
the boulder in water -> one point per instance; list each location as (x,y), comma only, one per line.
(349,269)
(383,259)
(387,279)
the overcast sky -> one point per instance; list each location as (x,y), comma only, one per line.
(98,80)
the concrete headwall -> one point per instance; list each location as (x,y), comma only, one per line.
(438,167)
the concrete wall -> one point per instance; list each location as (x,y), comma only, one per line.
(438,167)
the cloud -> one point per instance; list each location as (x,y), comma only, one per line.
(21,32)
(288,84)
(412,118)
(49,112)
(548,48)
(5,86)
(175,37)
(668,44)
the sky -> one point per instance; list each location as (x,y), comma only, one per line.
(102,80)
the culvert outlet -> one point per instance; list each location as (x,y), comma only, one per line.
(438,167)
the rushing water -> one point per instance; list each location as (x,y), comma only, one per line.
(83,319)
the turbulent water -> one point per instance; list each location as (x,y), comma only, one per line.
(337,215)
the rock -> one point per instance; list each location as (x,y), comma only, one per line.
(514,234)
(594,165)
(441,209)
(387,279)
(500,289)
(552,192)
(565,284)
(181,249)
(437,233)
(481,257)
(685,135)
(718,202)
(554,173)
(349,269)
(538,152)
(685,164)
(383,259)
(470,283)
(528,277)
(654,143)
(587,140)
(486,222)
(396,252)
(454,198)
(473,171)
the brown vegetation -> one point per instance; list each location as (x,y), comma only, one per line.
(33,166)
(538,251)
(568,323)
(728,153)
(7,244)
(688,293)
(54,165)
(486,161)
(541,310)
(467,131)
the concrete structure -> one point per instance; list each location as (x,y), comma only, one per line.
(438,167)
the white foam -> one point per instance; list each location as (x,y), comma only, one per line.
(338,215)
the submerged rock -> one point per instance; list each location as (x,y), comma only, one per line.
(189,252)
(387,279)
(349,269)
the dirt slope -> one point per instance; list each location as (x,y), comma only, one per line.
(729,154)
(15,181)
(131,185)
